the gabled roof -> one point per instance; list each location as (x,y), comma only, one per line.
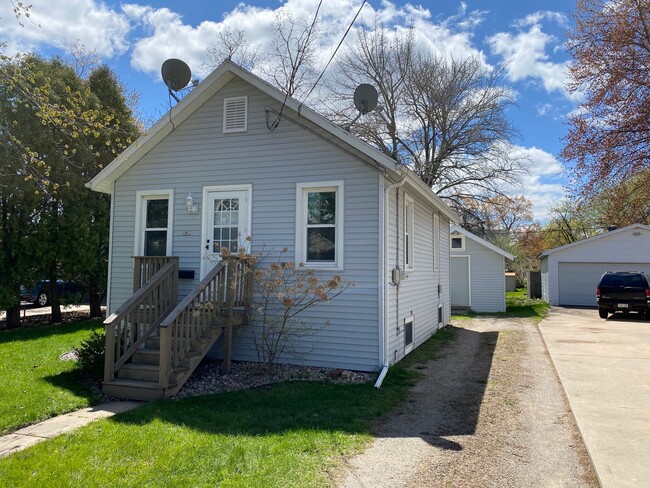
(482,242)
(293,110)
(604,235)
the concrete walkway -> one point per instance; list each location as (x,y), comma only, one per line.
(604,367)
(23,438)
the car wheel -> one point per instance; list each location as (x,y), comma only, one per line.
(602,313)
(647,314)
(42,299)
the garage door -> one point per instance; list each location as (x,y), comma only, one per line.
(578,281)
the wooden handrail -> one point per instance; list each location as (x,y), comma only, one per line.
(222,289)
(139,317)
(145,267)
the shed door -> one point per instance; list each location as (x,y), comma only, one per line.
(577,282)
(460,281)
(225,225)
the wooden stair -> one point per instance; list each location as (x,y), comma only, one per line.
(139,378)
(151,353)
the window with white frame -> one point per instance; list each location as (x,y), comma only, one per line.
(457,242)
(319,233)
(154,223)
(409,237)
(436,240)
(235,114)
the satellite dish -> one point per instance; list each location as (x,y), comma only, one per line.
(365,98)
(176,74)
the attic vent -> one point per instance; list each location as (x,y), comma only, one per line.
(235,112)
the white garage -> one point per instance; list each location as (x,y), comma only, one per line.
(570,273)
(477,272)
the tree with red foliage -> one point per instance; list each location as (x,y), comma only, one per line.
(609,137)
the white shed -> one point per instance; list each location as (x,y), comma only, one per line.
(477,272)
(570,273)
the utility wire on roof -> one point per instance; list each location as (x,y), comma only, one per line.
(333,54)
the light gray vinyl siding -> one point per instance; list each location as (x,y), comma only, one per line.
(198,154)
(417,293)
(621,249)
(487,277)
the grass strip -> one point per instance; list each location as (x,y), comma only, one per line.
(35,384)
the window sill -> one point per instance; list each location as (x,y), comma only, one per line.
(317,267)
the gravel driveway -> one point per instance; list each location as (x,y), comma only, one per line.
(489,412)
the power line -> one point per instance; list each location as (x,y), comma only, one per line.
(333,54)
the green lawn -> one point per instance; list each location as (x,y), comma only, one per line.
(287,435)
(517,305)
(35,385)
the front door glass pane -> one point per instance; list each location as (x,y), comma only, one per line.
(225,231)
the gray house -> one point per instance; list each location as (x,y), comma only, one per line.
(214,169)
(477,272)
(570,273)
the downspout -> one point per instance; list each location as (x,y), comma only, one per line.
(387,190)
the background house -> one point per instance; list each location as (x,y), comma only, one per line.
(477,272)
(383,229)
(570,273)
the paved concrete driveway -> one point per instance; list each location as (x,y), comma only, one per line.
(604,367)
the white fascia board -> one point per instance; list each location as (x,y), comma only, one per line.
(481,241)
(590,239)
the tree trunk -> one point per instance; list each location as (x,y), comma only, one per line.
(13,317)
(56,316)
(95,302)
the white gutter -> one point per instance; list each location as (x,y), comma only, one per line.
(384,369)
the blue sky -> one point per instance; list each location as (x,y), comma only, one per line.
(135,38)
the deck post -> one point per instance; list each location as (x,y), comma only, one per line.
(109,353)
(165,356)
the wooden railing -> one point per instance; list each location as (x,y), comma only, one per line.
(145,267)
(225,288)
(140,315)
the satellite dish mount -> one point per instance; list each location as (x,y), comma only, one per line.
(365,100)
(176,74)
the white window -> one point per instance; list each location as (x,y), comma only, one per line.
(409,237)
(235,114)
(319,225)
(153,232)
(458,242)
(436,242)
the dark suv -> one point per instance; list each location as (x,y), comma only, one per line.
(623,291)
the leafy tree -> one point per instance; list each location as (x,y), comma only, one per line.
(494,216)
(609,137)
(58,131)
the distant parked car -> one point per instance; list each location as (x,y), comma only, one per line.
(40,294)
(624,291)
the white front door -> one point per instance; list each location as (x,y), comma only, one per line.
(225,224)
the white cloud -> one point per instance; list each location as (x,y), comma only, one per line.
(57,22)
(525,53)
(543,184)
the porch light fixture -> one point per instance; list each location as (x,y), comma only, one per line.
(189,202)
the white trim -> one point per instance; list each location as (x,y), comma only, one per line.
(248,188)
(381,260)
(409,347)
(409,245)
(226,102)
(300,249)
(138,240)
(469,277)
(482,242)
(462,242)
(110,253)
(438,242)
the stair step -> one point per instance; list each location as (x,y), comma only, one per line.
(139,371)
(146,356)
(133,389)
